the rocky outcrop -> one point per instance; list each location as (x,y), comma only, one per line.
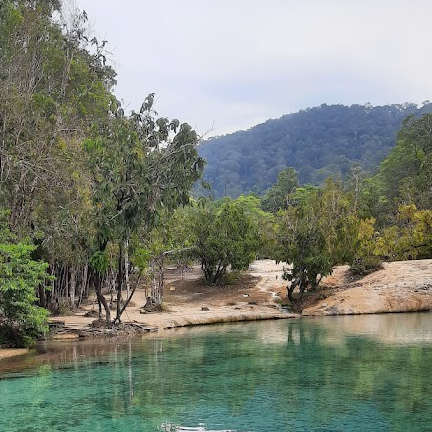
(402,286)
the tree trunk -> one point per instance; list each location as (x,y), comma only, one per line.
(102,300)
(119,283)
(154,300)
(42,297)
(290,290)
(72,289)
(129,298)
(126,264)
(83,284)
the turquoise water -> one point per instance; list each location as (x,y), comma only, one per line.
(364,373)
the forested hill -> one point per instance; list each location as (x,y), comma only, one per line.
(317,142)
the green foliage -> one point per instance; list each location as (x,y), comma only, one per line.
(367,247)
(142,168)
(411,238)
(138,170)
(405,175)
(91,185)
(225,238)
(21,322)
(313,235)
(277,197)
(54,85)
(317,142)
(100,261)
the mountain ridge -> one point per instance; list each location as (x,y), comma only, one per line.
(318,142)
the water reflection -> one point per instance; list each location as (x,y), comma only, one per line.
(327,374)
(174,428)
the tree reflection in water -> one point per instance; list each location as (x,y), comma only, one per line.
(337,373)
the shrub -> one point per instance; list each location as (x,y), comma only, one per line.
(21,322)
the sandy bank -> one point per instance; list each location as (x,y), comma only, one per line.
(404,286)
(75,328)
(252,298)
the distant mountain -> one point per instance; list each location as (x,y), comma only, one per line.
(317,142)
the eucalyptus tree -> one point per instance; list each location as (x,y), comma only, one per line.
(141,164)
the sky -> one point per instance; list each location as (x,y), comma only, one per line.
(226,65)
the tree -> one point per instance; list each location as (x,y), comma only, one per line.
(314,234)
(406,174)
(411,237)
(277,197)
(51,89)
(367,247)
(54,84)
(224,237)
(21,322)
(138,170)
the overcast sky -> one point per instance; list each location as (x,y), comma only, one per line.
(230,64)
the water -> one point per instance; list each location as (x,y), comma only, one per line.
(363,373)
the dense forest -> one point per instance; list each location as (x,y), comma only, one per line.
(317,142)
(95,201)
(82,183)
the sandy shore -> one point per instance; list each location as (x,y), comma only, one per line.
(189,302)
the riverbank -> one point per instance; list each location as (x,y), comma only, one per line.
(404,286)
(189,302)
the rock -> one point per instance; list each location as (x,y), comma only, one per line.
(98,324)
(333,310)
(253,302)
(204,308)
(91,314)
(402,286)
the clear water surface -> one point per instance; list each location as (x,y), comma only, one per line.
(354,373)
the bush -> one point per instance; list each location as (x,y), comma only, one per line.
(225,237)
(21,322)
(231,278)
(366,265)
